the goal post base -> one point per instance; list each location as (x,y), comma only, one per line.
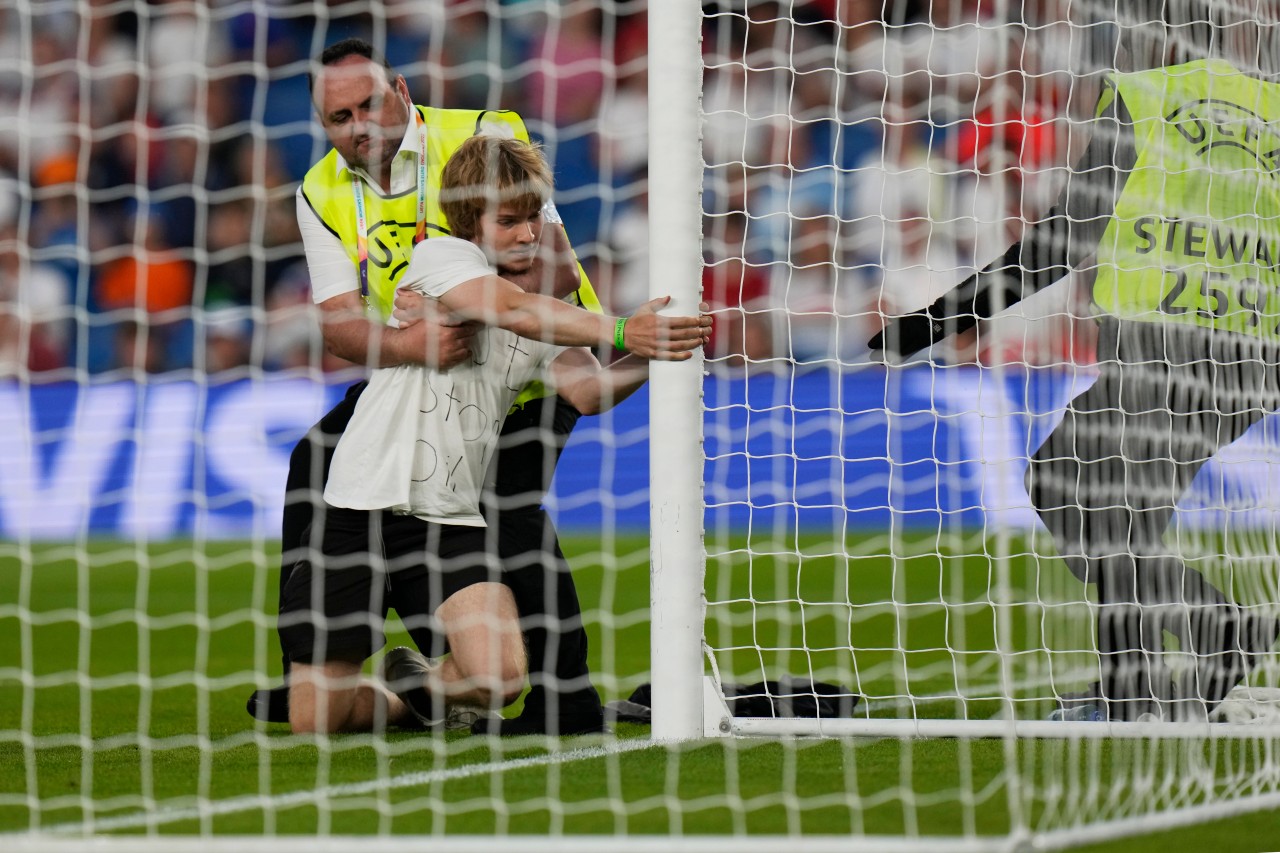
(718,721)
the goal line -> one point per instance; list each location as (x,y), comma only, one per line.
(276,802)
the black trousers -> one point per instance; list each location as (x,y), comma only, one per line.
(335,609)
(533,564)
(1106,481)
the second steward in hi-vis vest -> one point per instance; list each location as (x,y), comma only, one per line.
(1195,237)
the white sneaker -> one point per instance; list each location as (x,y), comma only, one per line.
(465,716)
(1077,714)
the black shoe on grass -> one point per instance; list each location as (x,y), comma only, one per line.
(527,724)
(404,671)
(270,705)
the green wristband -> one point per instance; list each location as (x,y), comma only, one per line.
(618,341)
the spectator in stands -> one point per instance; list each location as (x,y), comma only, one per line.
(625,264)
(228,339)
(149,292)
(227,131)
(897,208)
(563,92)
(112,69)
(950,59)
(260,164)
(566,83)
(624,115)
(43,102)
(737,291)
(470,80)
(60,239)
(173,178)
(263,214)
(823,153)
(823,310)
(180,48)
(745,100)
(35,320)
(230,276)
(867,59)
(291,339)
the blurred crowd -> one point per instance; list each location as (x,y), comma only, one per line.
(861,157)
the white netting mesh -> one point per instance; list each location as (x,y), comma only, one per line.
(865,527)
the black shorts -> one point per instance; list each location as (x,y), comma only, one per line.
(372,562)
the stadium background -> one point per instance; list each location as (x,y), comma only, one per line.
(182,459)
(157,331)
(164,142)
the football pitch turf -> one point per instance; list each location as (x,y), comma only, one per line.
(103,725)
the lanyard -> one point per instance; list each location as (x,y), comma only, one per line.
(362,220)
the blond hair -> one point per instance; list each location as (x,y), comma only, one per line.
(486,172)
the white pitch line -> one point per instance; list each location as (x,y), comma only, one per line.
(351,789)
(166,814)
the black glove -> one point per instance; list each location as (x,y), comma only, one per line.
(978,297)
(912,332)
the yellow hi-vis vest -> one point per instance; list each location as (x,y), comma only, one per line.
(392,220)
(1195,237)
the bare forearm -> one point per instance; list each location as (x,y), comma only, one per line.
(372,345)
(557,322)
(497,302)
(423,339)
(606,388)
(590,388)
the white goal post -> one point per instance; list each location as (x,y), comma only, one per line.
(675,472)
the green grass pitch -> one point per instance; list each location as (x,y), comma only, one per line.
(102,721)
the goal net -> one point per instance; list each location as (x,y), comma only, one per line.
(825,578)
(1009,534)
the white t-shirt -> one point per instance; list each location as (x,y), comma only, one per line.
(420,440)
